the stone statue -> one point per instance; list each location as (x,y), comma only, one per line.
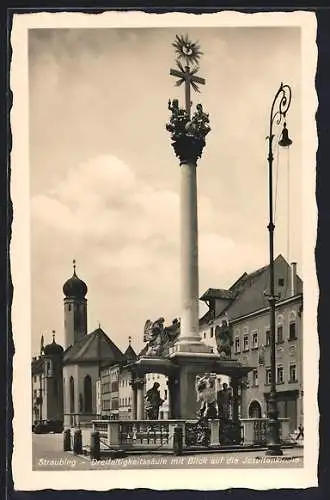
(158,337)
(224,400)
(178,120)
(153,336)
(224,340)
(199,124)
(153,402)
(206,394)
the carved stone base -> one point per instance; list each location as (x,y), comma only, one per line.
(188,148)
(192,347)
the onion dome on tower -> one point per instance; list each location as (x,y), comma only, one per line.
(53,348)
(74,287)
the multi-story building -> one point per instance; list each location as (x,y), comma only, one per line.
(47,383)
(116,390)
(245,307)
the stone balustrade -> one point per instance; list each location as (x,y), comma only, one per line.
(160,434)
(255,430)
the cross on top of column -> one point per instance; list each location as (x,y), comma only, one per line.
(190,53)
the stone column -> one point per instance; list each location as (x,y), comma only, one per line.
(189,254)
(235,384)
(188,149)
(139,383)
(173,397)
(133,405)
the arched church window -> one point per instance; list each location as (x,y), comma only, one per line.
(88,394)
(71,390)
(254,409)
(80,402)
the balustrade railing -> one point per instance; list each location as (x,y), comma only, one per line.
(160,434)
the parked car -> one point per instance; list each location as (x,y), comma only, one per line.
(47,426)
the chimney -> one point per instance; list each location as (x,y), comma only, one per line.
(293,279)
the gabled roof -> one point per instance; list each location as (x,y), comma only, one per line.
(254,287)
(218,293)
(130,354)
(250,291)
(94,347)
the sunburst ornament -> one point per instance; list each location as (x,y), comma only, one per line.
(187,50)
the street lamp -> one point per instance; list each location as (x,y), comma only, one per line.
(280,106)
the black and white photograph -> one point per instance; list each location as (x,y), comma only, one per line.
(163,243)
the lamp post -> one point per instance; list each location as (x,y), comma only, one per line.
(280,106)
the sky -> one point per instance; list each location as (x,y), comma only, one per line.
(105,181)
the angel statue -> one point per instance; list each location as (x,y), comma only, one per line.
(153,335)
(223,338)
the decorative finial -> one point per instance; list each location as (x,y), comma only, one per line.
(129,340)
(53,336)
(187,50)
(74,266)
(99,325)
(42,341)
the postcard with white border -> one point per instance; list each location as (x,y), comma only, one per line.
(164,226)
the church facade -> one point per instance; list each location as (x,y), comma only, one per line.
(65,380)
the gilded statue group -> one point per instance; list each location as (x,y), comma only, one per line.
(181,124)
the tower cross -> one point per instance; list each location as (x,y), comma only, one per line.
(189,77)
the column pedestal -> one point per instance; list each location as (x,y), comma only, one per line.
(185,404)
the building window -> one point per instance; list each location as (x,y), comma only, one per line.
(268,376)
(35,392)
(106,404)
(129,400)
(88,394)
(237,345)
(211,332)
(268,337)
(280,281)
(292,330)
(204,335)
(72,398)
(279,375)
(255,381)
(114,386)
(69,307)
(34,379)
(165,394)
(280,334)
(105,388)
(255,340)
(293,373)
(246,343)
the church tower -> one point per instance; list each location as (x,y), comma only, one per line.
(75,309)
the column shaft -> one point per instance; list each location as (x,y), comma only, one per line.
(189,254)
(140,401)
